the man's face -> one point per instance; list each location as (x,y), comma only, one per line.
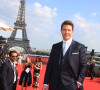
(13,57)
(67,32)
(6,55)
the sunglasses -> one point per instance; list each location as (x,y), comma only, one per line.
(14,56)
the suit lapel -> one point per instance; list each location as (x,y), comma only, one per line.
(60,51)
(71,49)
(11,67)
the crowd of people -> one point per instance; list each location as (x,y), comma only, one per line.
(9,74)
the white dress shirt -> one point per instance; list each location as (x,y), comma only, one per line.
(66,45)
(13,66)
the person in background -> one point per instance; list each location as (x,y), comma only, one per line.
(1,63)
(67,63)
(99,71)
(6,56)
(19,59)
(88,68)
(9,72)
(36,74)
(26,78)
(2,58)
(91,69)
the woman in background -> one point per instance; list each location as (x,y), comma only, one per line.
(37,67)
(19,59)
(26,79)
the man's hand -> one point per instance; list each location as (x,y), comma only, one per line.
(45,87)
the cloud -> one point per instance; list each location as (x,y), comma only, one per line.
(58,37)
(86,25)
(93,41)
(9,10)
(44,11)
(78,17)
(40,19)
(9,4)
(89,31)
(43,14)
(94,14)
(38,32)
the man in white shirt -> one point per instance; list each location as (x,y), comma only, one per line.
(9,72)
(67,64)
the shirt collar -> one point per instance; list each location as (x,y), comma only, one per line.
(68,42)
(11,62)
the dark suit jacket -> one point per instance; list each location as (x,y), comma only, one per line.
(8,76)
(77,63)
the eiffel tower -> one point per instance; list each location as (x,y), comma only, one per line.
(19,25)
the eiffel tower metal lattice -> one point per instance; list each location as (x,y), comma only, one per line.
(19,24)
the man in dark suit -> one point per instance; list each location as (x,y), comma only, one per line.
(67,64)
(9,72)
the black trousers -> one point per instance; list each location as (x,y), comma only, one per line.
(1,86)
(60,86)
(14,86)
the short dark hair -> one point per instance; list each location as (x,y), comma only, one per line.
(67,22)
(6,53)
(38,57)
(10,53)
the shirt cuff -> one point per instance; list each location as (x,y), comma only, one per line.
(45,84)
(79,83)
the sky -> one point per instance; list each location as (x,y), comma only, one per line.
(44,18)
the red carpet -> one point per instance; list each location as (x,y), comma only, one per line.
(88,84)
(91,84)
